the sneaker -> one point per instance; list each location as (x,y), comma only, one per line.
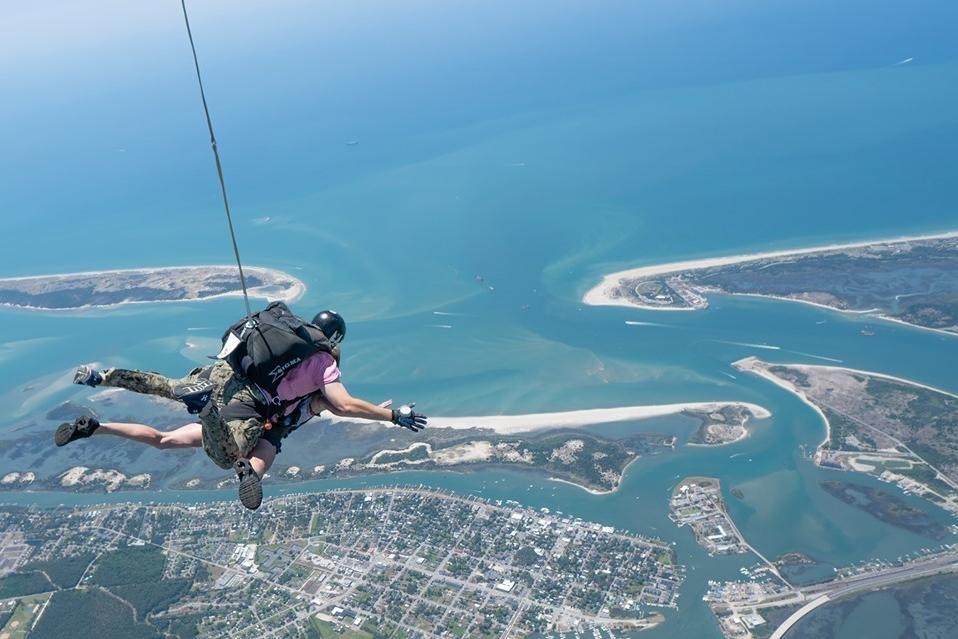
(195,395)
(78,429)
(250,488)
(87,376)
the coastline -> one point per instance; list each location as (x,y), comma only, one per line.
(940,331)
(147,269)
(598,296)
(744,364)
(591,491)
(595,491)
(532,422)
(290,295)
(901,380)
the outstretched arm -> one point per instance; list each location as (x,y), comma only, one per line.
(341,403)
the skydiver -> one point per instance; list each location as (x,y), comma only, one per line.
(235,429)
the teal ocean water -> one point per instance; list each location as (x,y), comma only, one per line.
(538,148)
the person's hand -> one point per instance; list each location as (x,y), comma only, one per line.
(406,417)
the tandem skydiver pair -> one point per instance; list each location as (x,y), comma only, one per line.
(275,372)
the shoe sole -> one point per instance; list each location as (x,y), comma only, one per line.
(64,434)
(196,395)
(250,488)
(87,376)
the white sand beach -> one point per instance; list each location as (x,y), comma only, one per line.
(747,364)
(511,424)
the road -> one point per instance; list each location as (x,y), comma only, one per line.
(874,581)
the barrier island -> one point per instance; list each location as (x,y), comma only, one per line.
(72,291)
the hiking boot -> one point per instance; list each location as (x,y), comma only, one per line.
(80,427)
(250,489)
(195,395)
(86,375)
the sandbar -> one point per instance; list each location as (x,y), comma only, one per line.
(512,424)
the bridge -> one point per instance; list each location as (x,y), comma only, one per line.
(831,591)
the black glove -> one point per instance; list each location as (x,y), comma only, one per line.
(406,417)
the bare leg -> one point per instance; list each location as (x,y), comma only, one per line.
(262,457)
(250,470)
(188,436)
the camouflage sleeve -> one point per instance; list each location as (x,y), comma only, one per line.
(146,382)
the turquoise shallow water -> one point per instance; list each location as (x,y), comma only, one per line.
(540,166)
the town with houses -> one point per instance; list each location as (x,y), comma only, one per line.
(388,562)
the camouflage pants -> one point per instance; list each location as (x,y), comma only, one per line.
(224,441)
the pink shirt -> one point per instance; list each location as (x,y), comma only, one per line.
(308,377)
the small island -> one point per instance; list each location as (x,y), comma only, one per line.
(723,426)
(910,280)
(886,508)
(167,284)
(594,463)
(697,503)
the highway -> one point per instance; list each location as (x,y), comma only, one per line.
(836,590)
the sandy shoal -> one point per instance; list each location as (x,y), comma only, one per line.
(510,424)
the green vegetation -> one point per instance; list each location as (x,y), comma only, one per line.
(927,476)
(133,564)
(886,507)
(135,575)
(910,280)
(459,566)
(526,556)
(924,608)
(417,453)
(152,597)
(585,459)
(327,630)
(890,464)
(841,428)
(184,627)
(20,584)
(89,614)
(202,573)
(295,575)
(65,572)
(774,617)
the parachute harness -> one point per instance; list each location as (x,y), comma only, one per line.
(219,167)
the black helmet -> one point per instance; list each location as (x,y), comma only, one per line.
(332,325)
